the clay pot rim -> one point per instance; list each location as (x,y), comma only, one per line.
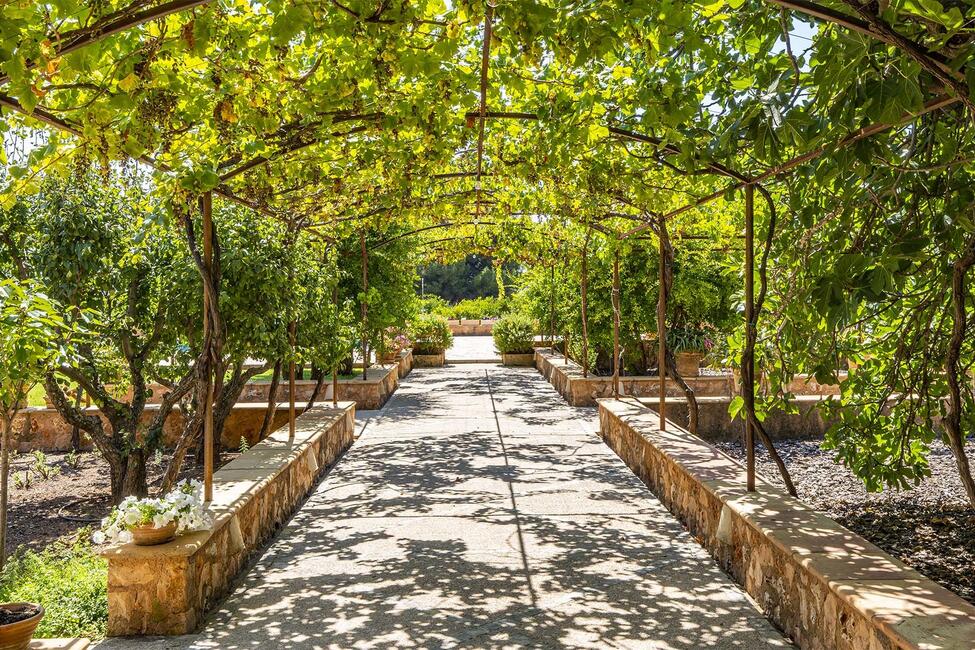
(36,618)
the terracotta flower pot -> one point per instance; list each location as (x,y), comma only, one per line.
(150,536)
(17,636)
(689,363)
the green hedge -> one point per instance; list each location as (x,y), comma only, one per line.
(430,334)
(514,334)
(69,580)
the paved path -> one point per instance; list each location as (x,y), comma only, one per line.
(478,510)
(472,348)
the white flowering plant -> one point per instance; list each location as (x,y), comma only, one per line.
(184,506)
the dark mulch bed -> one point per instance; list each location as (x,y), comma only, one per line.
(931,528)
(57,507)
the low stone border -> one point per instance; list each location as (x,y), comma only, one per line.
(368,394)
(466,327)
(429,360)
(44,429)
(166,590)
(715,423)
(584,391)
(567,378)
(821,584)
(518,359)
(405,363)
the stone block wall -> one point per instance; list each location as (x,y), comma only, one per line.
(824,586)
(483,327)
(167,589)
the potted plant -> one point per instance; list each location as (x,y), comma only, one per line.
(431,337)
(690,346)
(17,624)
(514,337)
(147,522)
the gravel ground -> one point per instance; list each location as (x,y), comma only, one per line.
(930,528)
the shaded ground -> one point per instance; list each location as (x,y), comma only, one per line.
(930,528)
(478,510)
(74,497)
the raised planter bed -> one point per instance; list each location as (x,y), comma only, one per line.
(518,359)
(368,394)
(584,391)
(821,584)
(167,589)
(466,327)
(428,360)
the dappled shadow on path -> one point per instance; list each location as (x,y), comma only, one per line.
(476,513)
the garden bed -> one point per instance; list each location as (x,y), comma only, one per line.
(81,494)
(930,528)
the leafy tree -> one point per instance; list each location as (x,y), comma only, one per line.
(32,338)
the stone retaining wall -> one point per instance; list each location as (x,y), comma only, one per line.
(166,589)
(821,584)
(714,422)
(43,428)
(584,391)
(429,360)
(466,327)
(368,394)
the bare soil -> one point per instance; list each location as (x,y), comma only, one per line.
(71,498)
(930,528)
(10,615)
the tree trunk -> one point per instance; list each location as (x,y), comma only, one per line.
(272,402)
(319,382)
(75,429)
(953,418)
(6,425)
(585,306)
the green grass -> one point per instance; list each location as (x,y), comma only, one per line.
(267,374)
(36,396)
(69,580)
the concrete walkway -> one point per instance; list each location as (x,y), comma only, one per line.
(478,510)
(466,349)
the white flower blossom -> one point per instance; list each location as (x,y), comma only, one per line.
(184,506)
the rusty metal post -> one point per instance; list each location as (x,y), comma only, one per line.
(616,322)
(292,336)
(662,331)
(365,308)
(748,356)
(585,316)
(335,366)
(206,205)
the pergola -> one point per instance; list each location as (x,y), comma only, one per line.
(271,107)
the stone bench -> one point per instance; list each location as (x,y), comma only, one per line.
(820,583)
(166,589)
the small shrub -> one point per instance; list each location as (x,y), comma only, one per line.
(514,334)
(243,446)
(22,482)
(69,580)
(430,334)
(73,459)
(41,468)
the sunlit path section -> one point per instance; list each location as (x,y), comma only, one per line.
(478,510)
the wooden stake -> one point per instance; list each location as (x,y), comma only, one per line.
(616,322)
(748,356)
(206,203)
(662,331)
